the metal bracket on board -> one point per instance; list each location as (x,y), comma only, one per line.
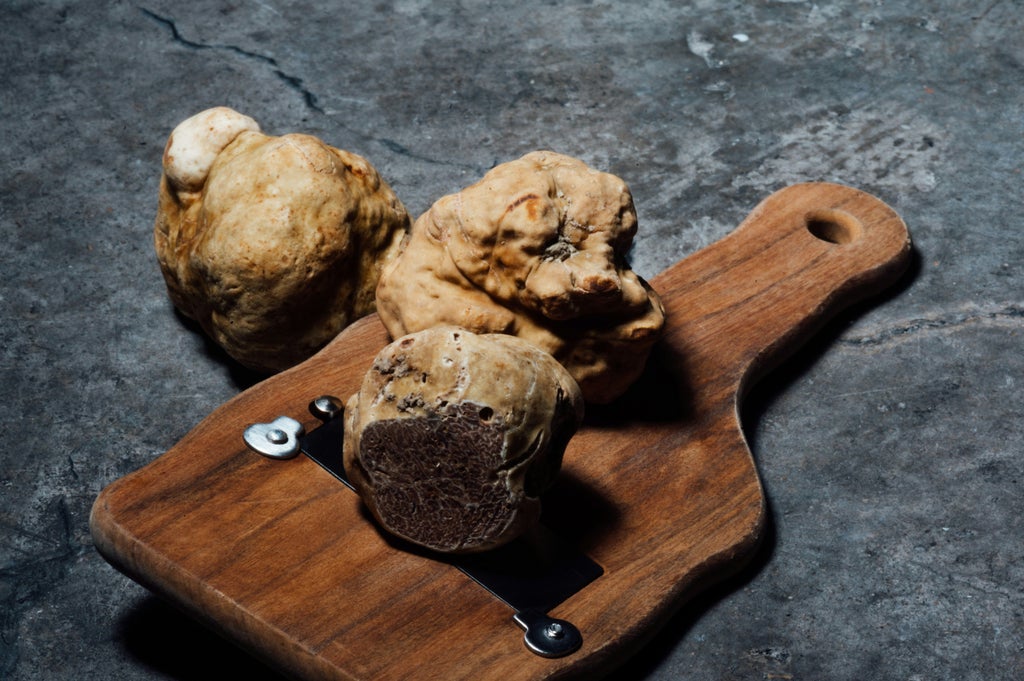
(531,575)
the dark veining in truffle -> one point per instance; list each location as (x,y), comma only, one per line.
(441,480)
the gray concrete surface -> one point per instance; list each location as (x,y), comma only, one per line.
(890,447)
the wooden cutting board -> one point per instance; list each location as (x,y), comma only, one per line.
(660,488)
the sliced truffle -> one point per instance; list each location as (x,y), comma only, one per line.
(453,436)
(273,244)
(536,249)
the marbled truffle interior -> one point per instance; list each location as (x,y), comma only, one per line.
(453,436)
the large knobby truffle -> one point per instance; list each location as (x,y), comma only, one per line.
(453,436)
(536,249)
(273,244)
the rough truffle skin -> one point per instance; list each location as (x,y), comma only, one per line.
(273,244)
(453,436)
(535,249)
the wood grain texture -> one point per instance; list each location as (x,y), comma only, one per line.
(659,488)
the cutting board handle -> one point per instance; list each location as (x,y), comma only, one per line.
(803,254)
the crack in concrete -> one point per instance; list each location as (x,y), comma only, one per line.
(1007,313)
(61,546)
(312,102)
(985,587)
(403,150)
(293,82)
(26,580)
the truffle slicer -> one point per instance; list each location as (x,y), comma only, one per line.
(532,574)
(659,489)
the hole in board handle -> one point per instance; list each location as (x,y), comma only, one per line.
(834,226)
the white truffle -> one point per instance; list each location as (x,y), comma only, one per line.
(453,436)
(273,244)
(535,249)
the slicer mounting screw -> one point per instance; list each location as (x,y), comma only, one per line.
(325,407)
(547,636)
(278,439)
